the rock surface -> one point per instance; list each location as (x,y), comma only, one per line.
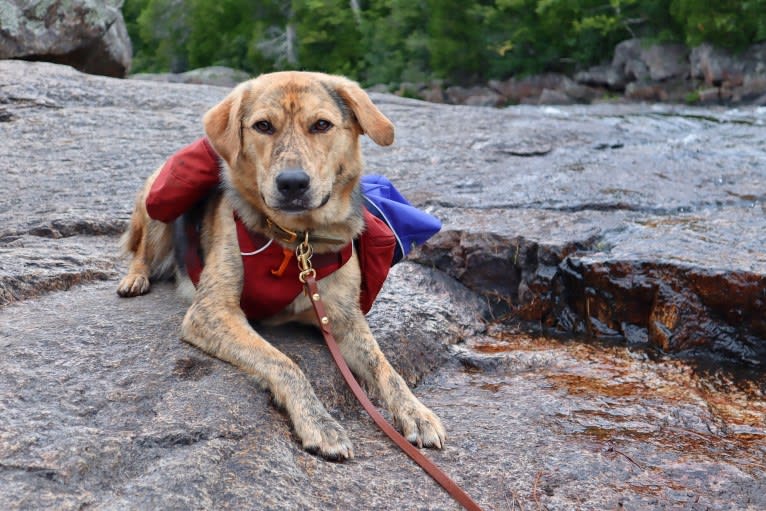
(213,75)
(638,225)
(88,34)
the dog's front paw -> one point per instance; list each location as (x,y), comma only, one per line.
(134,284)
(324,436)
(420,425)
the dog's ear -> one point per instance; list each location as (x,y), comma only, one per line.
(223,125)
(372,121)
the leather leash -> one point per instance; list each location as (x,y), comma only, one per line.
(308,278)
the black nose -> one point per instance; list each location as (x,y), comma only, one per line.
(293,183)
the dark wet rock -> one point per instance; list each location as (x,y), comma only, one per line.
(214,75)
(637,225)
(88,35)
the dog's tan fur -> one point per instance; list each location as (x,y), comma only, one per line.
(292,102)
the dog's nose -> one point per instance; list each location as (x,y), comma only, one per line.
(293,183)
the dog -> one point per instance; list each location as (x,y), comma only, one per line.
(290,156)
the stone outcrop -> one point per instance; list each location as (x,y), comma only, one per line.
(635,225)
(213,75)
(89,35)
(639,71)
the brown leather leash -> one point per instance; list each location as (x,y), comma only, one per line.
(308,277)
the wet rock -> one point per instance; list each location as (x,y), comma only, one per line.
(105,406)
(88,35)
(638,225)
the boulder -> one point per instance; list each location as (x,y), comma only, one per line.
(602,76)
(645,91)
(221,76)
(715,65)
(627,61)
(554,97)
(664,61)
(528,90)
(633,61)
(89,35)
(473,96)
(516,90)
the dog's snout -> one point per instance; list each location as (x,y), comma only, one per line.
(293,182)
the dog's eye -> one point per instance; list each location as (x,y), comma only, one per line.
(321,126)
(264,127)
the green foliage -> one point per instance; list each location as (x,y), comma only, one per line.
(395,41)
(730,23)
(329,36)
(455,41)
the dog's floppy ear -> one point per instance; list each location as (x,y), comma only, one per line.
(223,125)
(372,121)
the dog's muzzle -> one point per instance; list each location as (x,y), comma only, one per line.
(293,186)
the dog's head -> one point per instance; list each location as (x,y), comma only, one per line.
(291,144)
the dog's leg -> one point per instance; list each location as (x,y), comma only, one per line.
(216,324)
(225,334)
(361,351)
(151,244)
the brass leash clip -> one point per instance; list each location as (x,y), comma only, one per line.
(303,253)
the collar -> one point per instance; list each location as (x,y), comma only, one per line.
(285,235)
(254,243)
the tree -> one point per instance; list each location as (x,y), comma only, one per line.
(395,39)
(328,35)
(455,41)
(729,23)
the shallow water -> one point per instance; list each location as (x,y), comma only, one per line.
(580,426)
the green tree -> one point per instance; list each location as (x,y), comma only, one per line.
(395,40)
(391,41)
(228,32)
(728,23)
(328,36)
(455,41)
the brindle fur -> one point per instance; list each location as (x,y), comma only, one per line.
(292,102)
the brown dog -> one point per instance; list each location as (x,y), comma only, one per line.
(290,150)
